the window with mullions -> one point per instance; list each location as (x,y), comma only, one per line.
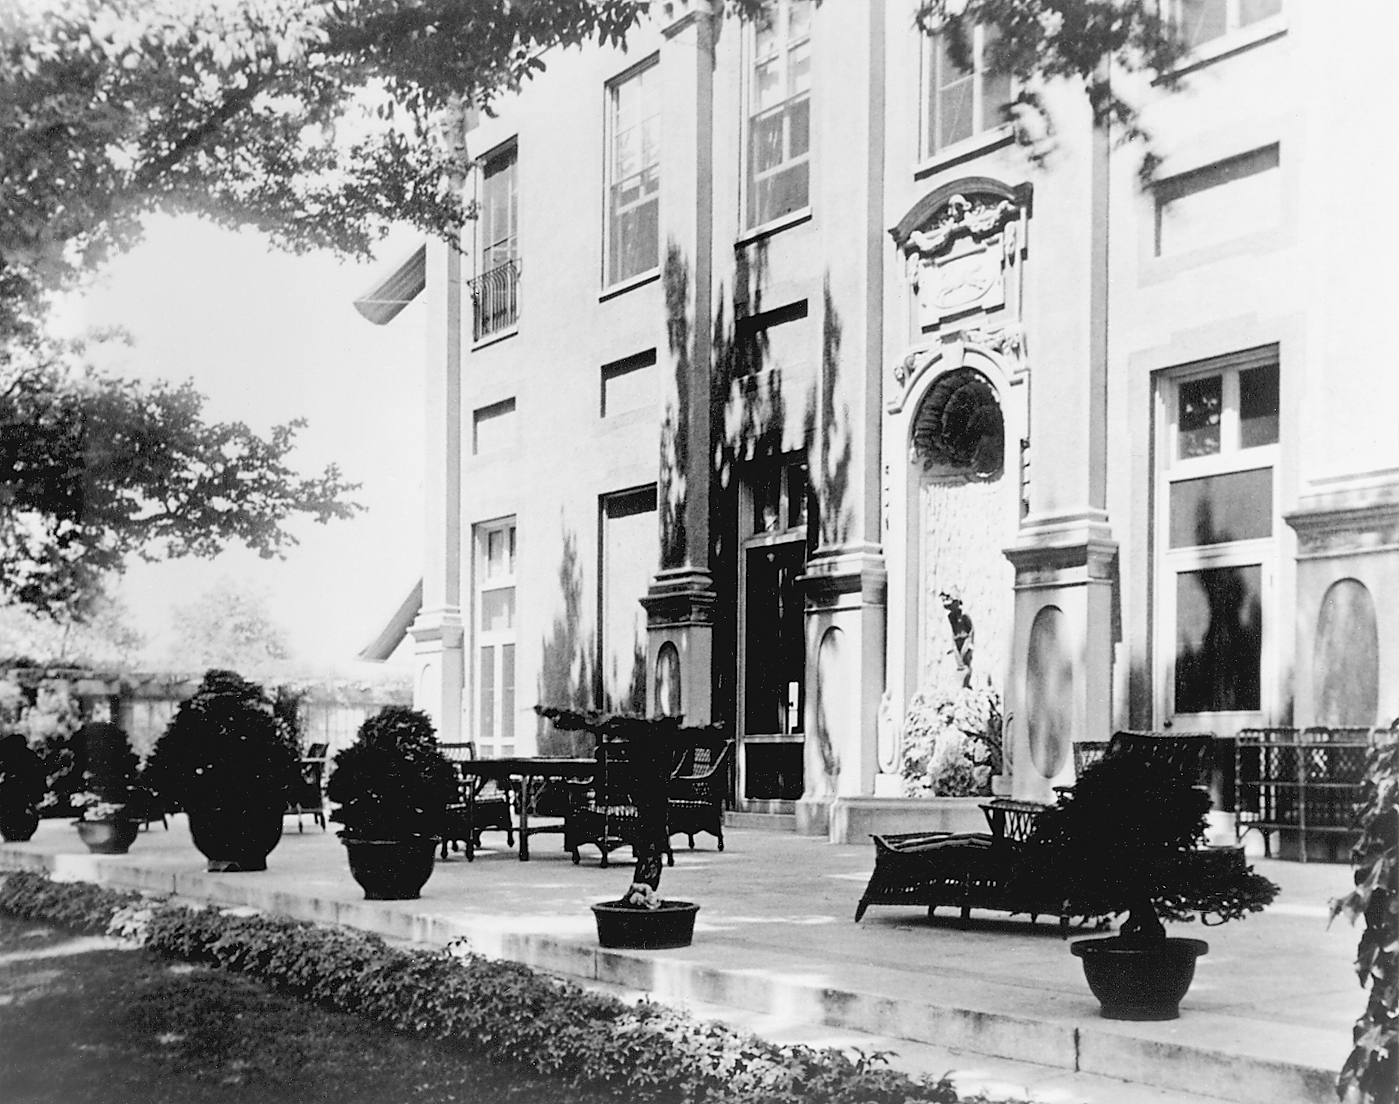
(633,174)
(779,115)
(1201,21)
(1218,519)
(960,103)
(495,639)
(495,290)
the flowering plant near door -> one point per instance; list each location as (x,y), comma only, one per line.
(953,740)
(952,743)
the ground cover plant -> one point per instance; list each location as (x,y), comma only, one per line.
(84,1024)
(502,1012)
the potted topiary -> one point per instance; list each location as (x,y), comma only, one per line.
(1129,838)
(23,782)
(649,748)
(229,763)
(110,771)
(392,787)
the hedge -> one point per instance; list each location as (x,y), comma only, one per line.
(503,1011)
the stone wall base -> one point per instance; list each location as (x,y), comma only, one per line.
(855,819)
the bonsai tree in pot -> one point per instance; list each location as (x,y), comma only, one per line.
(105,823)
(1129,838)
(23,783)
(229,762)
(650,748)
(392,787)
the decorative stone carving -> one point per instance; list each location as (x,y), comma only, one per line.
(889,734)
(959,262)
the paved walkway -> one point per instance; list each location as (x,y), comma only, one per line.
(1267,1020)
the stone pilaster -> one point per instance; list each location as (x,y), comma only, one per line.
(438,633)
(681,597)
(1060,687)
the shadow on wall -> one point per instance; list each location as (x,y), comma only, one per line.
(836,447)
(1219,630)
(633,698)
(565,666)
(675,426)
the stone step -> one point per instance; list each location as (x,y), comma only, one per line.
(1204,1054)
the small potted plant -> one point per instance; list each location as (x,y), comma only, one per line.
(1129,838)
(105,823)
(229,762)
(649,747)
(392,786)
(23,782)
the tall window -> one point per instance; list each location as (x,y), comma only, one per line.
(495,639)
(779,123)
(494,291)
(633,174)
(772,677)
(628,550)
(1200,21)
(1217,519)
(960,103)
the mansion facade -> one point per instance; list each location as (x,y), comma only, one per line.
(777,383)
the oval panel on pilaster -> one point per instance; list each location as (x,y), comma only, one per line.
(1346,663)
(1049,692)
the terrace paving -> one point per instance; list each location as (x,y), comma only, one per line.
(1001,1003)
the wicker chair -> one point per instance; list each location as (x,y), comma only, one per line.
(308,794)
(987,870)
(492,805)
(964,870)
(695,794)
(603,811)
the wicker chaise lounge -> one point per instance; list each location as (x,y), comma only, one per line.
(989,870)
(963,870)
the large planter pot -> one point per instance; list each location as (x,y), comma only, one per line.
(391,870)
(108,837)
(623,926)
(18,823)
(1136,982)
(236,840)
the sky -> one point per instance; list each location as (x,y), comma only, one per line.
(268,337)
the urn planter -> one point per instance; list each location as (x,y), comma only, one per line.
(391,870)
(1139,981)
(236,840)
(631,928)
(113,836)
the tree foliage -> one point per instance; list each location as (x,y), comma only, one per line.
(320,122)
(103,637)
(93,469)
(1371,1073)
(230,626)
(1036,41)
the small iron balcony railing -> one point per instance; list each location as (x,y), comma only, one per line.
(495,297)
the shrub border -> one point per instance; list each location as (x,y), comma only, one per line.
(506,1012)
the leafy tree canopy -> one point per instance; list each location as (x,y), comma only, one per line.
(228,626)
(1037,41)
(94,469)
(320,122)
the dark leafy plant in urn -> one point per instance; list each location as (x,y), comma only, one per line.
(229,763)
(392,786)
(1130,839)
(23,782)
